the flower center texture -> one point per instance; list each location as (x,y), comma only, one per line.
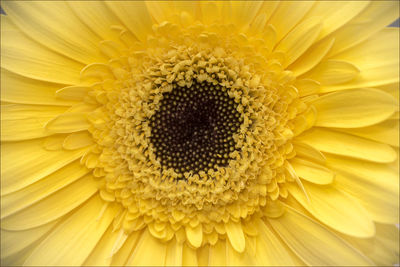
(193,131)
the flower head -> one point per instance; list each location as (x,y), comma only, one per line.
(199,133)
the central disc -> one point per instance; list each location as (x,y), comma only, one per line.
(194,126)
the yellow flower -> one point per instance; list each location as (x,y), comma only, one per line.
(199,133)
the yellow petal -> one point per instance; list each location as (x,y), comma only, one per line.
(376,16)
(23,163)
(235,235)
(189,257)
(55,26)
(377,59)
(244,12)
(234,258)
(194,235)
(13,242)
(54,206)
(314,243)
(330,72)
(335,209)
(386,132)
(307,86)
(160,10)
(75,93)
(354,108)
(143,256)
(68,122)
(19,89)
(35,192)
(270,251)
(383,248)
(287,15)
(174,253)
(376,186)
(311,57)
(122,255)
(217,254)
(134,15)
(82,230)
(348,145)
(22,122)
(78,140)
(24,56)
(97,17)
(308,152)
(299,39)
(336,13)
(312,172)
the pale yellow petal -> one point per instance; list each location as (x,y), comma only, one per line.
(234,258)
(377,59)
(336,13)
(97,17)
(331,72)
(123,254)
(54,25)
(74,93)
(314,243)
(189,257)
(217,254)
(160,10)
(13,242)
(311,57)
(23,163)
(174,253)
(68,122)
(383,248)
(376,186)
(312,172)
(143,256)
(348,145)
(78,140)
(134,15)
(54,206)
(194,235)
(287,15)
(308,152)
(22,122)
(335,209)
(235,234)
(14,202)
(19,89)
(376,16)
(386,132)
(269,249)
(244,12)
(354,108)
(299,40)
(71,242)
(25,57)
(307,87)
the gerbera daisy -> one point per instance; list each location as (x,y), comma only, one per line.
(199,133)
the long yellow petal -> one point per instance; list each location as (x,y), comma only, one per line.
(234,258)
(377,58)
(348,145)
(287,15)
(308,152)
(194,235)
(235,235)
(299,40)
(143,256)
(189,257)
(22,122)
(24,163)
(174,253)
(22,90)
(386,132)
(335,209)
(24,56)
(314,243)
(354,108)
(312,172)
(83,231)
(380,196)
(35,192)
(270,251)
(244,12)
(134,15)
(54,25)
(123,254)
(383,248)
(54,206)
(78,140)
(376,16)
(13,242)
(68,122)
(330,72)
(217,254)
